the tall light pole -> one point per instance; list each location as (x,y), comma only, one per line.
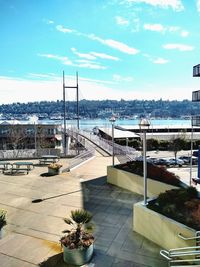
(191,149)
(144,125)
(112,120)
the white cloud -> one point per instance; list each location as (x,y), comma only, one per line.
(119,78)
(82,63)
(180,47)
(104,56)
(154,27)
(77,63)
(63,29)
(63,60)
(87,56)
(109,42)
(174,28)
(115,44)
(160,60)
(121,21)
(176,5)
(184,33)
(50,22)
(163,29)
(24,90)
(198,5)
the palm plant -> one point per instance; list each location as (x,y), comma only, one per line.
(80,234)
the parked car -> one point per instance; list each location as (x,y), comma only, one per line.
(175,162)
(195,153)
(187,159)
(152,160)
(164,162)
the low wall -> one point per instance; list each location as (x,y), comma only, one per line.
(162,230)
(135,183)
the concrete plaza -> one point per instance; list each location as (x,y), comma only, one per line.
(31,237)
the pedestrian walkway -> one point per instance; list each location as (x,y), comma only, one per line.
(36,206)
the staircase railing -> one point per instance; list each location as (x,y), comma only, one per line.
(185,255)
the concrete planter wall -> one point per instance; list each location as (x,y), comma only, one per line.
(162,230)
(134,182)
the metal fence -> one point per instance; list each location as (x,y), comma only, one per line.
(28,153)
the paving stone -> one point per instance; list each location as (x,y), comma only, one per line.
(37,224)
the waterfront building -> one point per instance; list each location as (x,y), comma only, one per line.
(159,132)
(14,135)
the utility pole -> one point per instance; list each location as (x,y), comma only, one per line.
(64,109)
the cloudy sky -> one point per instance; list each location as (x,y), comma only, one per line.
(122,49)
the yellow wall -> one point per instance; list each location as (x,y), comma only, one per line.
(134,182)
(160,229)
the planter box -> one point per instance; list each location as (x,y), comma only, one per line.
(78,256)
(160,229)
(53,171)
(135,183)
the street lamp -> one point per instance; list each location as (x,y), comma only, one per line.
(112,120)
(144,125)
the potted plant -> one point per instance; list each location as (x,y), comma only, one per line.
(2,220)
(78,243)
(54,168)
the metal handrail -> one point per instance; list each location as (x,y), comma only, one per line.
(173,255)
(184,248)
(107,144)
(190,238)
(163,253)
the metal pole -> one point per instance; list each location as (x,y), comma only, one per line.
(35,138)
(113,152)
(64,107)
(145,168)
(77,110)
(77,101)
(64,117)
(191,154)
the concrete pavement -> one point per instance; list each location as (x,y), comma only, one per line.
(31,237)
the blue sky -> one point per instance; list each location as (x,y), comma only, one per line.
(122,49)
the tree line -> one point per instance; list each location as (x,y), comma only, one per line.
(96,108)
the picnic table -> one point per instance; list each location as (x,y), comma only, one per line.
(48,159)
(21,166)
(4,165)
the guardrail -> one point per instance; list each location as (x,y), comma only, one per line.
(123,153)
(190,238)
(185,255)
(83,154)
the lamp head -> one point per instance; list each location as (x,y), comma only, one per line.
(144,123)
(112,119)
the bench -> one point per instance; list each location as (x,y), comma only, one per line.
(4,166)
(21,166)
(19,169)
(48,159)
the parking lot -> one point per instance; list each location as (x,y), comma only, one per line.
(185,172)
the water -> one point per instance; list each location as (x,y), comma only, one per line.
(87,124)
(105,123)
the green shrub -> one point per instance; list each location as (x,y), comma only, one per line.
(154,172)
(182,205)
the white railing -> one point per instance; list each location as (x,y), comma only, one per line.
(83,154)
(185,255)
(129,153)
(196,237)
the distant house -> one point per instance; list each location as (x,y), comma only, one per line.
(14,135)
